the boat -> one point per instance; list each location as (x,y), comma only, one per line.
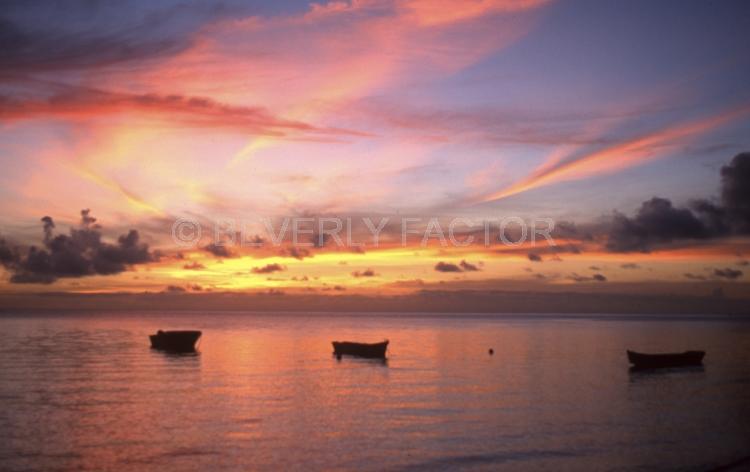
(175,341)
(656,361)
(371,351)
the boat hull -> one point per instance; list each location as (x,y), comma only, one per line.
(175,341)
(658,361)
(370,351)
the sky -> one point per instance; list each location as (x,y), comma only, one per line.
(624,126)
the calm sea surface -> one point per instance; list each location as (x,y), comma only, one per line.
(85,392)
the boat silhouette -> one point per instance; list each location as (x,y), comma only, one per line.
(175,341)
(657,361)
(370,351)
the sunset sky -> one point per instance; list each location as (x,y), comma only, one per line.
(625,123)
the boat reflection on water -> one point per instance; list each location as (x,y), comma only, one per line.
(639,373)
(375,361)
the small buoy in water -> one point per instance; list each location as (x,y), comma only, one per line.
(491,351)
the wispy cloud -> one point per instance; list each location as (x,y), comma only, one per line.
(186,111)
(362,47)
(616,157)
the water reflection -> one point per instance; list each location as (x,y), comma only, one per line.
(383,362)
(645,373)
(264,392)
(176,354)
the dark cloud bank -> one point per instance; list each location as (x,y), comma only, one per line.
(268,269)
(218,250)
(78,254)
(462,266)
(728,273)
(658,222)
(582,278)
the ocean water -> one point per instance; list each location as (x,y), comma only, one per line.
(85,392)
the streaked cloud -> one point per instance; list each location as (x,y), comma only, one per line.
(616,157)
(78,103)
